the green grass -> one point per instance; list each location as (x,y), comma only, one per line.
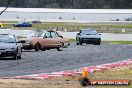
(116,73)
(72,40)
(76,25)
(108,42)
(19,37)
(116,42)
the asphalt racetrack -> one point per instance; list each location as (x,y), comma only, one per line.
(70,58)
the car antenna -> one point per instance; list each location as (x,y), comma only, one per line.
(8,2)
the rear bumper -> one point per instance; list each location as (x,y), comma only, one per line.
(27,46)
(66,43)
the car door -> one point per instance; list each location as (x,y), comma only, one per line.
(56,40)
(47,40)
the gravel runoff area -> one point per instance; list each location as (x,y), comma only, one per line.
(71,81)
(70,58)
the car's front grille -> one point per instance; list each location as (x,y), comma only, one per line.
(2,49)
(4,54)
(89,39)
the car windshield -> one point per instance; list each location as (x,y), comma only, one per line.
(88,32)
(35,34)
(7,39)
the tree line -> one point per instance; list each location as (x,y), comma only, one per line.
(73,4)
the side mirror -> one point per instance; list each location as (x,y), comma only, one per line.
(78,33)
(61,36)
(45,36)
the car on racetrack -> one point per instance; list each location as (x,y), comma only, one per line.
(88,36)
(36,22)
(22,24)
(44,41)
(128,19)
(9,47)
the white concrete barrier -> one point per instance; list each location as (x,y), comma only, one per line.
(72,35)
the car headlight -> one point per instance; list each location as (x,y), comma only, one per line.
(10,49)
(13,48)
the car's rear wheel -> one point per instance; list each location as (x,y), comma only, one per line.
(37,47)
(60,47)
(43,49)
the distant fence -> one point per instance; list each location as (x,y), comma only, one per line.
(74,29)
(72,35)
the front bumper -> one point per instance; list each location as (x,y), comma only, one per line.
(90,40)
(7,54)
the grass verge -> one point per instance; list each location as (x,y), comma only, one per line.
(116,42)
(108,42)
(78,26)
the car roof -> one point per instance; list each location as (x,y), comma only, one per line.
(6,34)
(87,29)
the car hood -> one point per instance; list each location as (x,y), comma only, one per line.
(90,36)
(26,39)
(7,45)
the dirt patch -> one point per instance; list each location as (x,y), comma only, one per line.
(59,82)
(70,81)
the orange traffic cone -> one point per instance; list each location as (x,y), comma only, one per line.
(84,73)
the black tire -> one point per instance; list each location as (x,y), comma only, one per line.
(84,81)
(37,47)
(19,57)
(43,49)
(98,43)
(80,41)
(77,43)
(15,57)
(60,47)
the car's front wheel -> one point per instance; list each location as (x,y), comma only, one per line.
(43,49)
(15,56)
(98,42)
(60,47)
(80,41)
(19,57)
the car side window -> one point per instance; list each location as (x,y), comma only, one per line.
(47,35)
(38,34)
(54,34)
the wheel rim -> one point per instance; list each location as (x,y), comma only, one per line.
(38,47)
(61,47)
